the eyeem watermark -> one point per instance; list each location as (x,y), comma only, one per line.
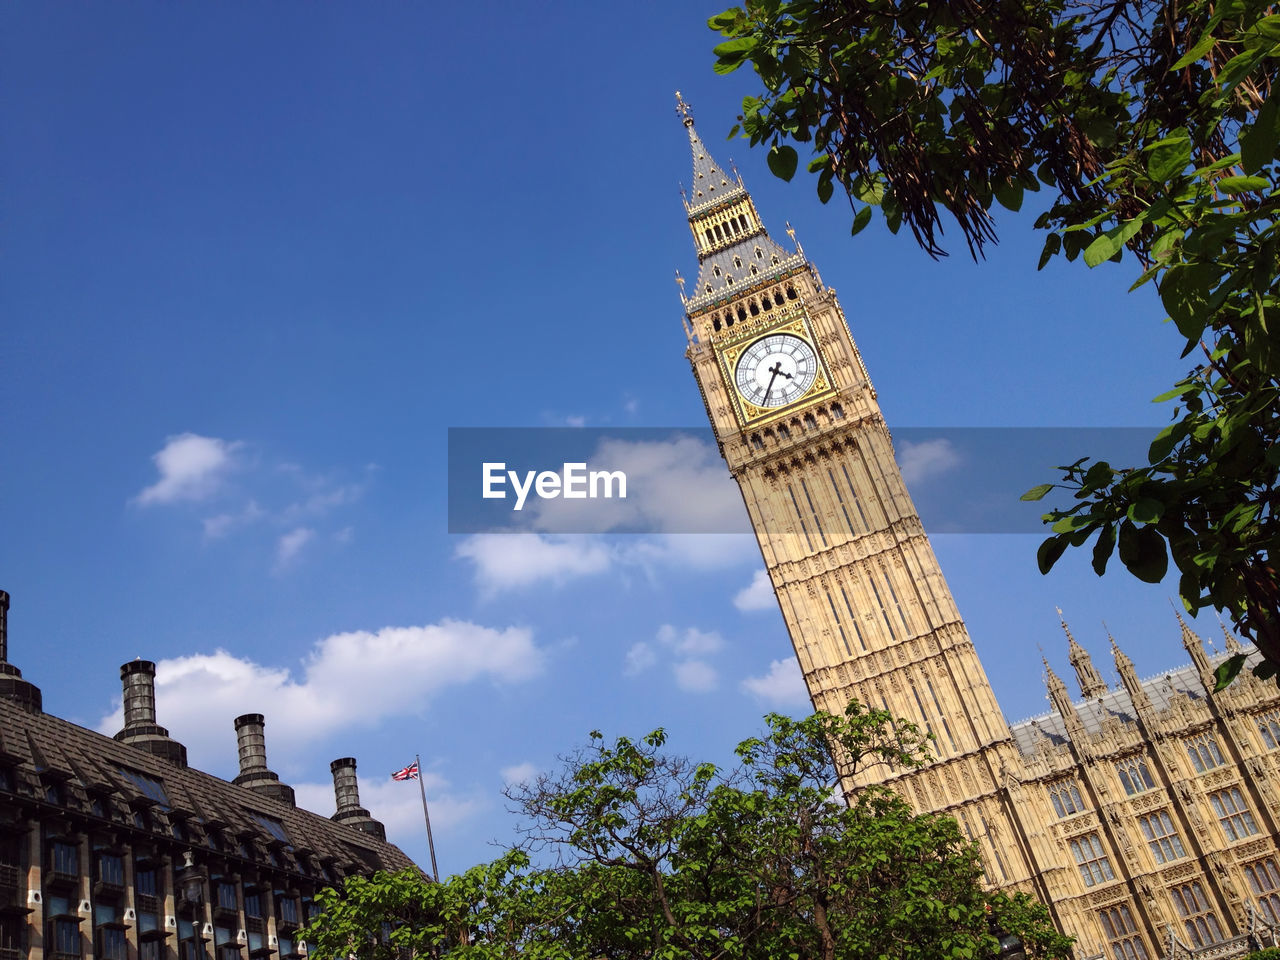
(573,482)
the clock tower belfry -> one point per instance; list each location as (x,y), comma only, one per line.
(868,610)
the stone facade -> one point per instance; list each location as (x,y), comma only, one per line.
(115,849)
(1141,816)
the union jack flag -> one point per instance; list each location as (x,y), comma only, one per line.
(408,773)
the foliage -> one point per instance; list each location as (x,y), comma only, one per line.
(650,855)
(1268,953)
(1154,125)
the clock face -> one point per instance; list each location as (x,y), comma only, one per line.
(775,370)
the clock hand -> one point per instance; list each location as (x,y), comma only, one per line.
(775,370)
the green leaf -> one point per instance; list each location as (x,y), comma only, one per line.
(1052,244)
(1265,670)
(725,20)
(1227,671)
(860,220)
(1110,243)
(1235,185)
(1169,156)
(1258,141)
(1145,510)
(1195,53)
(1050,551)
(1142,551)
(825,187)
(783,161)
(1009,195)
(1103,548)
(1037,492)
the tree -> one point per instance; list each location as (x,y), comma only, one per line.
(1154,125)
(650,855)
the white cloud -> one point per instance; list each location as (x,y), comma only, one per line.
(506,561)
(575,420)
(348,680)
(191,467)
(926,459)
(757,595)
(639,659)
(520,773)
(782,686)
(690,642)
(696,676)
(512,561)
(222,524)
(289,545)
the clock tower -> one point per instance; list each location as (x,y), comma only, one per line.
(868,610)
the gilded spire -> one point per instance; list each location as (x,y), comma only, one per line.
(1091,683)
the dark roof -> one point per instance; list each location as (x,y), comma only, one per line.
(43,748)
(1161,689)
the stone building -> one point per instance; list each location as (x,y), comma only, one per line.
(115,849)
(1142,816)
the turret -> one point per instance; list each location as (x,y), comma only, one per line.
(252,745)
(1091,683)
(1061,701)
(346,789)
(1195,647)
(140,727)
(1129,677)
(12,687)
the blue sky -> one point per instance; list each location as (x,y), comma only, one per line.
(257,260)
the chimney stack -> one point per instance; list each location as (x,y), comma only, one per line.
(4,626)
(252,744)
(12,687)
(140,727)
(346,791)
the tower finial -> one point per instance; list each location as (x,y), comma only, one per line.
(683,111)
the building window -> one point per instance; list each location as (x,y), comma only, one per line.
(1065,797)
(66,858)
(66,937)
(1204,753)
(252,904)
(1122,933)
(111,943)
(111,869)
(1161,836)
(229,951)
(149,786)
(144,882)
(1269,726)
(193,950)
(227,896)
(53,792)
(288,909)
(1264,880)
(1134,775)
(1200,923)
(1092,861)
(150,950)
(1233,813)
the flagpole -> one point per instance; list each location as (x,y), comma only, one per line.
(435,873)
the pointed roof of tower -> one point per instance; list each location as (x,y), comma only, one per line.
(711,183)
(1090,680)
(737,260)
(1232,642)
